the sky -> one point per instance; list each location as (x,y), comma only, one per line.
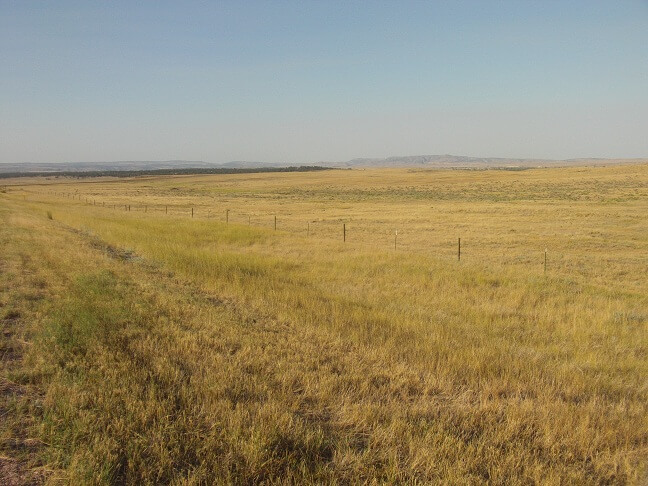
(311,81)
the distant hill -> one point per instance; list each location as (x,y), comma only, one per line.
(421,161)
(459,161)
(104,166)
(159,172)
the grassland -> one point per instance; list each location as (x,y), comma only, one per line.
(150,346)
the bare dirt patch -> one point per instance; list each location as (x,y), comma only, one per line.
(14,473)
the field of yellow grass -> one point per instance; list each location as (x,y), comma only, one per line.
(143,345)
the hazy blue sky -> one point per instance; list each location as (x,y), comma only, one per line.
(311,81)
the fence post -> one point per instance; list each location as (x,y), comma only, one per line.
(227,215)
(166,209)
(459,250)
(545,261)
(192,212)
(344,232)
(275,222)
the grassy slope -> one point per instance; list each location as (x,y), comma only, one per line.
(250,355)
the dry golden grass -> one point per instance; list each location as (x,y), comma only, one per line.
(173,349)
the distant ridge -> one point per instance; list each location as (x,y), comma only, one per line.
(460,161)
(159,172)
(413,161)
(103,166)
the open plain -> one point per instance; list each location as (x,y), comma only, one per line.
(321,327)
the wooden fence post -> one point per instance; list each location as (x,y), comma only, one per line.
(344,232)
(459,250)
(545,261)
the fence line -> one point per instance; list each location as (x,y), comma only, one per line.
(128,208)
(515,256)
